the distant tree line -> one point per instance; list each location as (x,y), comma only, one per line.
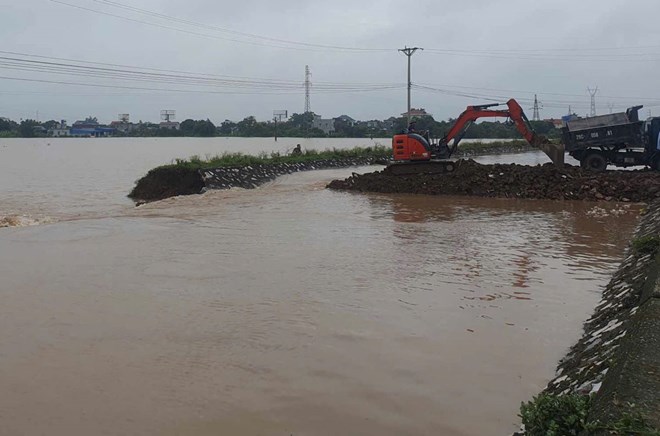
(298,125)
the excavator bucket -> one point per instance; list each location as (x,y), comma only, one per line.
(554,151)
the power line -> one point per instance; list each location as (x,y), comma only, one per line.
(174,90)
(520,91)
(260,40)
(194,79)
(234,32)
(187,73)
(612,57)
(567,54)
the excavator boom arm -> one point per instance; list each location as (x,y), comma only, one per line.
(516,114)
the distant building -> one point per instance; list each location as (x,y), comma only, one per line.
(558,123)
(85,125)
(326,125)
(89,128)
(60,130)
(97,132)
(421,112)
(172,125)
(390,123)
(346,119)
(123,126)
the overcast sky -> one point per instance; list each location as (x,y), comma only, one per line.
(475,52)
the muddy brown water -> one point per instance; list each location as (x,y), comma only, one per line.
(289,309)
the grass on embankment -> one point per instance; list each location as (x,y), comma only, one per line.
(377,151)
(240,159)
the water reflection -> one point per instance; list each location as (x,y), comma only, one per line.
(517,241)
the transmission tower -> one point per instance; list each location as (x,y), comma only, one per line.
(536,116)
(592,93)
(409,51)
(308,86)
(610,106)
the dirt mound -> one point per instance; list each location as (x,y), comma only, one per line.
(514,181)
(164,182)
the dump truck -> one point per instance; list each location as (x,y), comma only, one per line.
(619,139)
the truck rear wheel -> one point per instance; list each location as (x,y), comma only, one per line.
(656,164)
(594,162)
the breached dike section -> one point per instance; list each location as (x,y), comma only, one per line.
(170,181)
(617,360)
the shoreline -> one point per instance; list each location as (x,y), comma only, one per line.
(611,376)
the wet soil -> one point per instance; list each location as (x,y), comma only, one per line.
(514,181)
(164,182)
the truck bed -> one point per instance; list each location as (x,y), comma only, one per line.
(593,132)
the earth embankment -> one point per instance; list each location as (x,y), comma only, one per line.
(470,178)
(173,180)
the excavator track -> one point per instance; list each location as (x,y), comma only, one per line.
(420,167)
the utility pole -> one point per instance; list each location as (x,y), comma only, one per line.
(308,85)
(409,51)
(277,116)
(610,106)
(592,93)
(275,120)
(536,116)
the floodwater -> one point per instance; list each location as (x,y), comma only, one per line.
(285,310)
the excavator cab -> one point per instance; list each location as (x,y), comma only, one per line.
(411,147)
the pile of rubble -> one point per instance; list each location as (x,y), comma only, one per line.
(515,181)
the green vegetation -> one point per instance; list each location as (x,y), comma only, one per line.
(555,415)
(647,244)
(629,424)
(240,159)
(564,415)
(197,128)
(297,126)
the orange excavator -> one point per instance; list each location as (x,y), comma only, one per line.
(414,152)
